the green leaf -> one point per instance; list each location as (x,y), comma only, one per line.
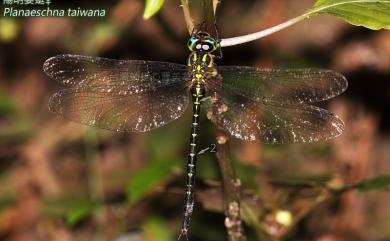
(80,212)
(148,178)
(372,14)
(152,7)
(9,30)
(376,183)
(6,200)
(164,155)
(7,105)
(100,36)
(314,181)
(156,229)
(17,126)
(247,174)
(74,210)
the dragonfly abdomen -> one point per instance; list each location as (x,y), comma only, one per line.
(198,92)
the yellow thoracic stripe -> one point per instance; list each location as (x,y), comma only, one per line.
(204,58)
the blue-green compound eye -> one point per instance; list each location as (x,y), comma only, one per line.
(212,43)
(191,43)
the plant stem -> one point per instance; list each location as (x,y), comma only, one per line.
(324,196)
(187,16)
(231,188)
(231,185)
(253,36)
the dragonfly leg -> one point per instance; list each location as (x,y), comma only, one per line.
(219,55)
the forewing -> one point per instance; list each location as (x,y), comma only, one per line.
(283,85)
(269,121)
(129,75)
(118,95)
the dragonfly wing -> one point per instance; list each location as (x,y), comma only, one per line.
(283,85)
(273,122)
(102,72)
(121,95)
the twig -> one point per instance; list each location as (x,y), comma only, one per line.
(215,5)
(208,17)
(253,36)
(327,193)
(251,217)
(187,16)
(324,196)
(231,185)
(231,188)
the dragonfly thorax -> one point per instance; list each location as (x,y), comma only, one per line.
(200,62)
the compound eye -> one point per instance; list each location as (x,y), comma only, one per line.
(198,46)
(191,43)
(205,47)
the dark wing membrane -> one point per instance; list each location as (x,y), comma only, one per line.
(131,75)
(118,95)
(283,85)
(138,112)
(273,122)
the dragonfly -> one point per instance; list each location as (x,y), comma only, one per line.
(250,103)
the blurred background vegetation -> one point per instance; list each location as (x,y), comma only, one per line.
(64,181)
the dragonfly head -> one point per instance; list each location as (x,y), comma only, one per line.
(202,42)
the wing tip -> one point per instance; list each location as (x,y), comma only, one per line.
(341,81)
(53,102)
(52,62)
(337,127)
(47,66)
